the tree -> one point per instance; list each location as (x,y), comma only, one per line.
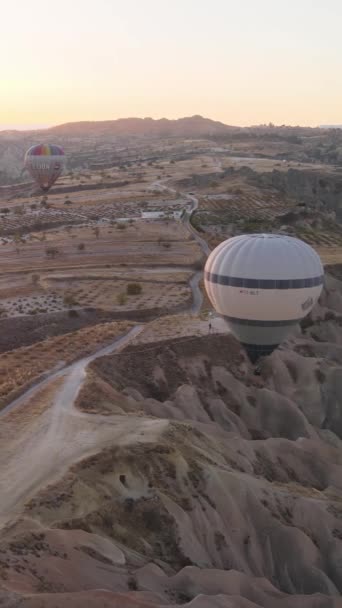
(17,241)
(81,246)
(97,231)
(122,299)
(69,300)
(133,289)
(52,252)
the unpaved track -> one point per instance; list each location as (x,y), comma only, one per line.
(159,185)
(41,449)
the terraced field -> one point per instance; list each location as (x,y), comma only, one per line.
(113,294)
(247,204)
(22,366)
(248,212)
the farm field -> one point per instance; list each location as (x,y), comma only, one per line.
(23,366)
(140,244)
(87,266)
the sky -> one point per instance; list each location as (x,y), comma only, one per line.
(239,61)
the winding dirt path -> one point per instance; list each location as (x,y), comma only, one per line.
(43,445)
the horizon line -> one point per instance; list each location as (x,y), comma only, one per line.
(42,127)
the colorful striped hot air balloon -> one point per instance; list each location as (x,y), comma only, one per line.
(263,285)
(45,163)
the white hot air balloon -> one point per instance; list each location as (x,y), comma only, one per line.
(263,285)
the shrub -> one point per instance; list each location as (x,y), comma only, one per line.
(122,299)
(133,289)
(121,226)
(132,583)
(81,247)
(69,300)
(51,252)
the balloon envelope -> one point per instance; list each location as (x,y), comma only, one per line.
(263,285)
(45,163)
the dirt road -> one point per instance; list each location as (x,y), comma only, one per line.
(43,446)
(159,185)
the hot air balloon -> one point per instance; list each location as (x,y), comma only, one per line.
(45,162)
(263,285)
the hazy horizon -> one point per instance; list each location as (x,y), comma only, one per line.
(34,127)
(21,127)
(242,64)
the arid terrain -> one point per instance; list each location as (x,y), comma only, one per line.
(144,461)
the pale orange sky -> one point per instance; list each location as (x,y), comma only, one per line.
(245,62)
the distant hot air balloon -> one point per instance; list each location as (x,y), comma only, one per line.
(263,285)
(45,162)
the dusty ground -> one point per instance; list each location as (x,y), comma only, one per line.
(146,243)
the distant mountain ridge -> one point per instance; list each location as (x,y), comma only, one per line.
(330,126)
(189,126)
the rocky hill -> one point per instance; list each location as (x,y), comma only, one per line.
(192,126)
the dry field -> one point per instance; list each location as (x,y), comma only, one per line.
(21,367)
(82,266)
(262,165)
(330,255)
(25,218)
(104,289)
(246,204)
(234,204)
(109,294)
(144,243)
